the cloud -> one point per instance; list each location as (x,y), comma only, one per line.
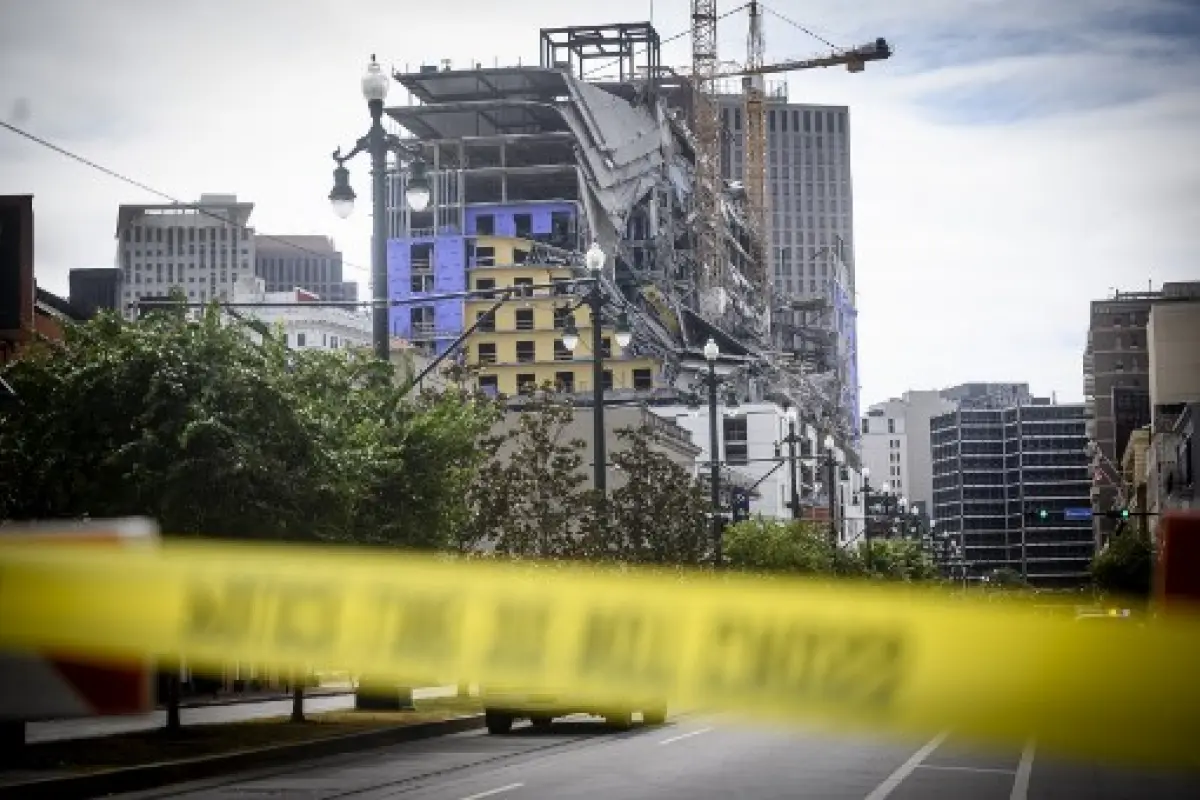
(1012,162)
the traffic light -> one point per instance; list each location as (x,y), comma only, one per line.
(1117,513)
(1043,514)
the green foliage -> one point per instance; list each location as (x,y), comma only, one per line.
(767,545)
(212,434)
(897,559)
(1124,566)
(659,513)
(802,547)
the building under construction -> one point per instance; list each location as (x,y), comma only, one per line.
(544,154)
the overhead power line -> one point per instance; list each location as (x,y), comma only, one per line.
(800,27)
(170,198)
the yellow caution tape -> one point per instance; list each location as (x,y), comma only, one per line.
(857,656)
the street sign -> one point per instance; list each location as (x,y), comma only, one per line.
(1077,514)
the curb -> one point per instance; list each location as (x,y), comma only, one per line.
(241,701)
(153,776)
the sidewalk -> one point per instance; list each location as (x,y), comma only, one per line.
(326,698)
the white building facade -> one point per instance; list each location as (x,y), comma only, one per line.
(896,446)
(752,439)
(303,324)
(201,249)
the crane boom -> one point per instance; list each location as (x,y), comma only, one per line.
(854,58)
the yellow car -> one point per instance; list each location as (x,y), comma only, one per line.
(503,706)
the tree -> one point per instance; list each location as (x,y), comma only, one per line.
(659,515)
(190,423)
(528,499)
(769,545)
(898,559)
(1124,566)
(212,433)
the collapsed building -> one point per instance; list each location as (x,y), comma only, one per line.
(542,154)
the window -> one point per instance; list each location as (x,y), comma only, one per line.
(561,287)
(489,385)
(606,347)
(565,381)
(524,287)
(484,284)
(422,320)
(484,257)
(485,225)
(422,284)
(487,353)
(561,353)
(420,255)
(607,385)
(643,379)
(333,342)
(524,319)
(526,383)
(487,321)
(523,225)
(299,340)
(736,446)
(891,425)
(561,315)
(866,426)
(526,352)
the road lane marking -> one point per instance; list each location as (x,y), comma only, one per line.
(1020,788)
(687,735)
(952,768)
(907,768)
(491,792)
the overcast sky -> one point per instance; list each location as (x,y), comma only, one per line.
(1015,159)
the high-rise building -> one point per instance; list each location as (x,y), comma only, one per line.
(1116,384)
(198,248)
(808,185)
(310,262)
(811,225)
(1012,486)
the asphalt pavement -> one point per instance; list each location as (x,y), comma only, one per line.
(691,757)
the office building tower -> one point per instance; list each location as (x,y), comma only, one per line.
(1011,485)
(311,263)
(199,249)
(1116,385)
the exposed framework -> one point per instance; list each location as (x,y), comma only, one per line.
(575,47)
(627,156)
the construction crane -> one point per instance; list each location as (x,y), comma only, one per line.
(708,133)
(709,221)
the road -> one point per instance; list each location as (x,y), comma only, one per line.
(688,758)
(90,727)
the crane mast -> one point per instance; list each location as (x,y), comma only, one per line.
(753,93)
(709,220)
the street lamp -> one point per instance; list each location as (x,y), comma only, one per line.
(792,439)
(831,465)
(595,301)
(378,143)
(711,352)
